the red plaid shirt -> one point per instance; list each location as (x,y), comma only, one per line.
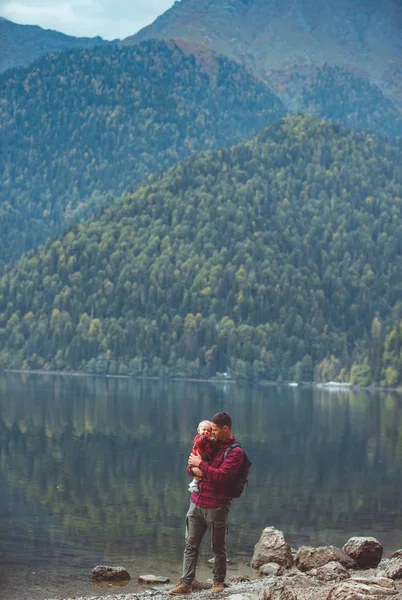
(214,488)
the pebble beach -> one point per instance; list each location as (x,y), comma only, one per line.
(249,590)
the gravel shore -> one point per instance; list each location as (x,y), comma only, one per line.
(254,587)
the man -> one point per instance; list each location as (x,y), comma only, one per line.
(209,506)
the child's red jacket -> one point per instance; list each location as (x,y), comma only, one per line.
(203,445)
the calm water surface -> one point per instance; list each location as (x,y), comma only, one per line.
(92,471)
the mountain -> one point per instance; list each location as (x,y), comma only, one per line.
(82,126)
(20,45)
(264,259)
(336,94)
(275,36)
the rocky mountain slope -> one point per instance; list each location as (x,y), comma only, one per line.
(20,45)
(273,36)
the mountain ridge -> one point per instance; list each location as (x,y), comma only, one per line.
(20,45)
(362,36)
(85,125)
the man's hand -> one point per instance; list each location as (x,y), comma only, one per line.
(194,460)
(197,472)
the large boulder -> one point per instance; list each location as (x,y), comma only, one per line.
(272,548)
(311,558)
(392,568)
(363,589)
(366,551)
(278,590)
(105,573)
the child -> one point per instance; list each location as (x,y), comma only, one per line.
(202,445)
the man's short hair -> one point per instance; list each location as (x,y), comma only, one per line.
(221,419)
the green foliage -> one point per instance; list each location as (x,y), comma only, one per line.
(381,364)
(361,374)
(336,94)
(253,260)
(327,370)
(82,126)
(392,358)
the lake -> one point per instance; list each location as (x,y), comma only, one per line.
(93,471)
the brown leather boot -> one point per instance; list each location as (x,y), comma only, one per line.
(217,586)
(180,589)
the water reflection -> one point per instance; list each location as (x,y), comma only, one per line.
(101,462)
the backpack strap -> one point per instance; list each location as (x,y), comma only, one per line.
(229,448)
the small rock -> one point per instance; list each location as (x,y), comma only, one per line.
(244,596)
(270,570)
(239,579)
(366,551)
(397,554)
(332,571)
(359,588)
(105,573)
(392,568)
(309,558)
(152,579)
(278,590)
(272,548)
(299,579)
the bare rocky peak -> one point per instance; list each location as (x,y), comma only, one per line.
(364,36)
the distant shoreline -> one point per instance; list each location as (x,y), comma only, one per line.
(333,387)
(108,376)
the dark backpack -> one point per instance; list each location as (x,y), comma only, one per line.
(240,480)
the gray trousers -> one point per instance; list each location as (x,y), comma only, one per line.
(198,520)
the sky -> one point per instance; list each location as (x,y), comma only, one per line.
(110,19)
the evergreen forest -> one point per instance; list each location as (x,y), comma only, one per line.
(336,94)
(266,260)
(80,127)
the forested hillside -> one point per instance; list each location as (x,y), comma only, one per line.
(20,45)
(82,126)
(263,259)
(336,94)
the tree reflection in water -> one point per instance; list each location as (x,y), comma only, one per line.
(103,460)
